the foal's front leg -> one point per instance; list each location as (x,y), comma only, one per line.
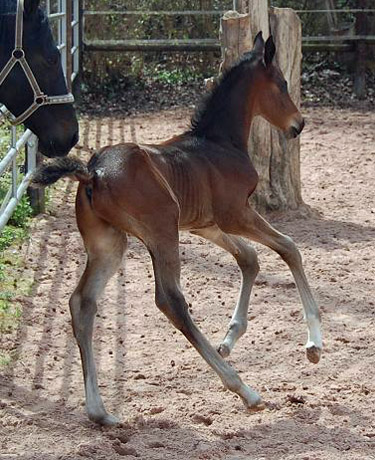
(170,300)
(247,260)
(251,225)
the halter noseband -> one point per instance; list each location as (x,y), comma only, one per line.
(18,55)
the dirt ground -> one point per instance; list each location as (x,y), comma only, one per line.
(171,404)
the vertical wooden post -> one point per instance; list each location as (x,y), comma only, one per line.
(284,167)
(241,6)
(276,159)
(33,159)
(259,145)
(234,37)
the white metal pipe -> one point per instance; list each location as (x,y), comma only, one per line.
(5,162)
(6,215)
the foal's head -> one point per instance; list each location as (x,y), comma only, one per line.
(270,94)
(55,125)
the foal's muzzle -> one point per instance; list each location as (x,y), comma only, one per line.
(296,129)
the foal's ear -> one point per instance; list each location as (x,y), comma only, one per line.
(258,47)
(31,6)
(269,51)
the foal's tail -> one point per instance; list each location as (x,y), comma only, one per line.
(50,172)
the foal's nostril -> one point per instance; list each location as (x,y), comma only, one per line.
(75,139)
(294,131)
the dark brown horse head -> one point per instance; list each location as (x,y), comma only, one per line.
(271,98)
(56,124)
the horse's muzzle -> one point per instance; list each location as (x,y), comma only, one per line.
(295,130)
(54,149)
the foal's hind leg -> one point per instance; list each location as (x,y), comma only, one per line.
(170,300)
(247,260)
(251,225)
(105,247)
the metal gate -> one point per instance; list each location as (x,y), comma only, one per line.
(21,146)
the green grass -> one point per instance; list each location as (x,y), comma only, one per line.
(12,284)
(5,359)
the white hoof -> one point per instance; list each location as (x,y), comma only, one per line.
(224,350)
(253,402)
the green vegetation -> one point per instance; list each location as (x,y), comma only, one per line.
(11,284)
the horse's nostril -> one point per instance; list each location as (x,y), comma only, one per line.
(75,138)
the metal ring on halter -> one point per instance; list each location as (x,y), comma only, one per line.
(40,100)
(18,56)
(18,53)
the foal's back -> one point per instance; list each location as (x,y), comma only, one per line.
(206,180)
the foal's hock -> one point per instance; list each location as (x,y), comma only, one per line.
(199,181)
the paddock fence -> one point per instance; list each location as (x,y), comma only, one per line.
(346,28)
(344,34)
(20,145)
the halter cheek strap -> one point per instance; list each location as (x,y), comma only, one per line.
(18,56)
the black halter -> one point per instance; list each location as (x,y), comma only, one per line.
(18,56)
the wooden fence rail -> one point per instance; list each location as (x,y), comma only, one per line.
(309,43)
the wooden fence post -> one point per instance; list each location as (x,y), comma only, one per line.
(284,160)
(33,159)
(276,159)
(234,37)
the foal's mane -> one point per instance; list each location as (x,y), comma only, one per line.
(217,99)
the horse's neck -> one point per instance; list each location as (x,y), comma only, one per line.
(235,126)
(232,120)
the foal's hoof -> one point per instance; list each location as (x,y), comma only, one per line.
(224,350)
(313,353)
(256,408)
(253,402)
(105,419)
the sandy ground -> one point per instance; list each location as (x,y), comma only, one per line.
(172,406)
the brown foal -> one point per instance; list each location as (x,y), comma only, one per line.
(200,181)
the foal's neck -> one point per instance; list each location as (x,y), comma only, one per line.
(232,123)
(227,115)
